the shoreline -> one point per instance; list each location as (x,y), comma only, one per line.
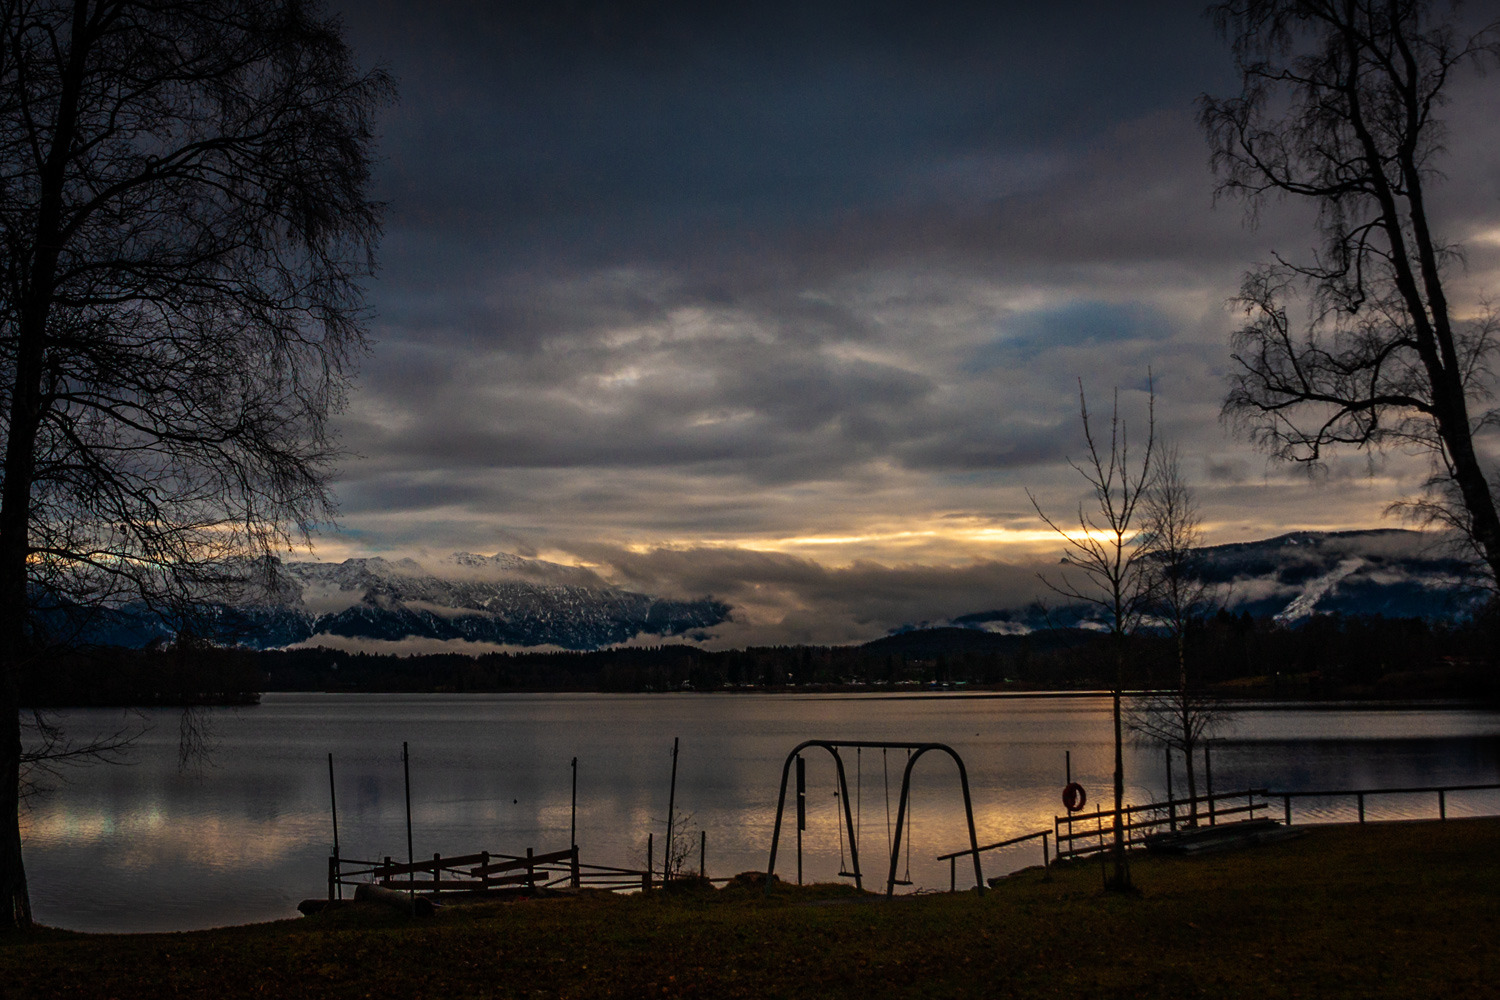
(1399,908)
(812,692)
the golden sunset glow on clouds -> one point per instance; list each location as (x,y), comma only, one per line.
(819,300)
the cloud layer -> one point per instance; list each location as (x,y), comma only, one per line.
(808,290)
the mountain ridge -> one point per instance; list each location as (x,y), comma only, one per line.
(514,601)
(1394,572)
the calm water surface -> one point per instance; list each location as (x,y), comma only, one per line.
(244,835)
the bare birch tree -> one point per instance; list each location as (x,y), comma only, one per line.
(1341,107)
(184,234)
(1177,717)
(1105,564)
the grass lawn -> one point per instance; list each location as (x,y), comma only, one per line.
(1396,910)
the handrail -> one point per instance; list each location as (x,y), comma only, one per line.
(1216,796)
(1360,793)
(991,847)
(1382,791)
(952,859)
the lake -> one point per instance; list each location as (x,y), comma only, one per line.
(244,833)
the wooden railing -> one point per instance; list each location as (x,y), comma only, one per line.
(1139,822)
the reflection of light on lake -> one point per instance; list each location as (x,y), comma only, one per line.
(246,837)
(147,838)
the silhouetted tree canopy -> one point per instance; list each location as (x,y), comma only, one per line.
(1341,106)
(184,229)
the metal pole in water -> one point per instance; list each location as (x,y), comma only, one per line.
(666,854)
(406,769)
(333,805)
(573,824)
(1068,780)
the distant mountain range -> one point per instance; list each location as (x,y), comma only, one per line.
(501,599)
(513,601)
(1290,578)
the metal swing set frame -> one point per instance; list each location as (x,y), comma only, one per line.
(916,750)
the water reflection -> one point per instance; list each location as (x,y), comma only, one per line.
(146,846)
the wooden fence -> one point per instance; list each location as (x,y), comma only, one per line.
(476,874)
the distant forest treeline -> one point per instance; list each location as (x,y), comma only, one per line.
(1326,657)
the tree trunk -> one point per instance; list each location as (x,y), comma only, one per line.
(1188,747)
(15,522)
(1479,502)
(15,502)
(1185,707)
(1122,870)
(15,903)
(23,421)
(1420,285)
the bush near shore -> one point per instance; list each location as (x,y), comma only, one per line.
(1399,909)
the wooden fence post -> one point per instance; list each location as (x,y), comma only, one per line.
(1208,780)
(530,872)
(1171,805)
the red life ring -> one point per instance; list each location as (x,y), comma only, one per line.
(1074,797)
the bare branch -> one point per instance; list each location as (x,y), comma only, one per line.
(185,234)
(1339,105)
(1107,551)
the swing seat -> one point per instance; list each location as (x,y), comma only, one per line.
(902,881)
(849,875)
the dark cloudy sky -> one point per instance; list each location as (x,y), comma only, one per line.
(789,303)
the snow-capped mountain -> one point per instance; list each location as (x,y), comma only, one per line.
(502,599)
(1290,578)
(509,600)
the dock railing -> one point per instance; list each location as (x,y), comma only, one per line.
(1138,822)
(1141,821)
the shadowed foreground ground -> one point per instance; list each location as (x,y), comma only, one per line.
(1398,910)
